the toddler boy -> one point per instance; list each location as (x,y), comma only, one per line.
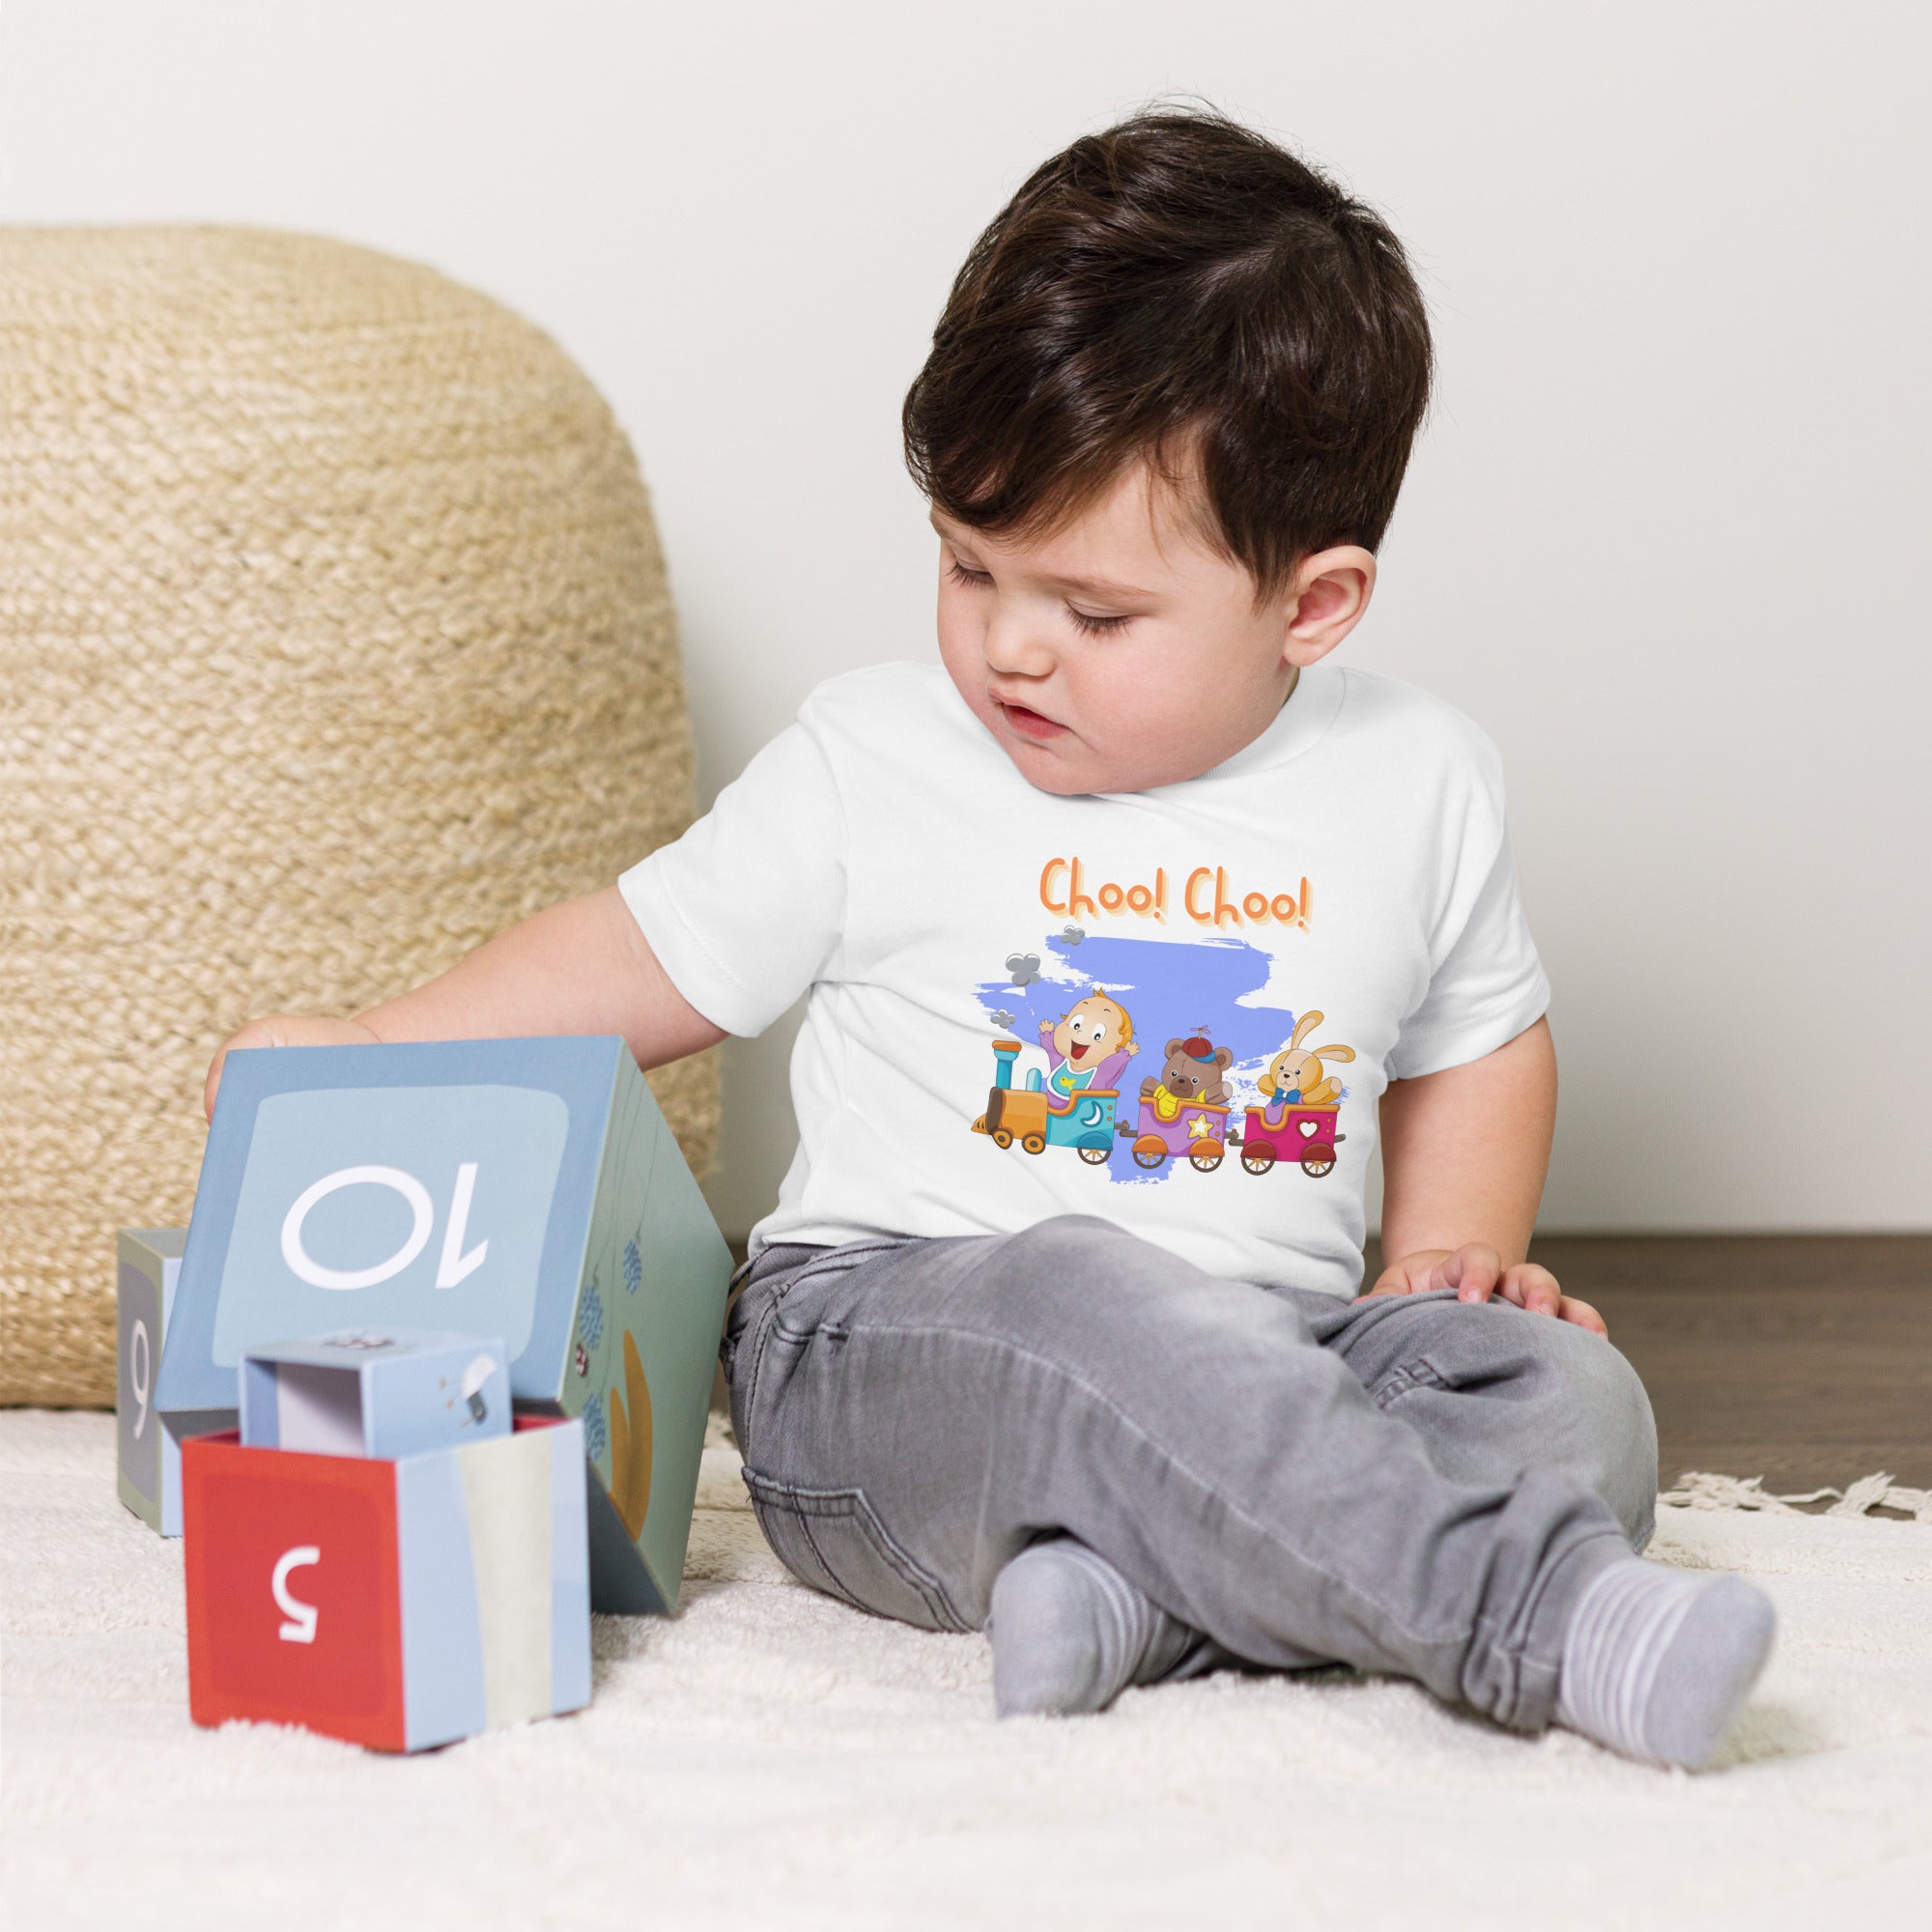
(1092,1377)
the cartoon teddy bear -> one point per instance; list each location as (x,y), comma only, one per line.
(1191,1078)
(1295,1078)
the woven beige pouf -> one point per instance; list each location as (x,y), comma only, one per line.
(334,638)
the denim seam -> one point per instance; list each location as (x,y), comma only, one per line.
(1179,1465)
(839,1261)
(803,1503)
(1514,1648)
(781,1504)
(1405,1377)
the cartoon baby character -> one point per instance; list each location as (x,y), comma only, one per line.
(1191,1078)
(1295,1078)
(1089,1046)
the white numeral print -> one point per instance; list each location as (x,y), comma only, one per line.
(140,1358)
(302,1616)
(454,1264)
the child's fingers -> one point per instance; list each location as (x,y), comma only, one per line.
(257,1033)
(1583,1316)
(1473,1272)
(282,1029)
(1412,1274)
(1533,1288)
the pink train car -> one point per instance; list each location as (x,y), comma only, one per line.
(1290,1132)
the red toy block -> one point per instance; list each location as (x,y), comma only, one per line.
(401,1604)
(294,1610)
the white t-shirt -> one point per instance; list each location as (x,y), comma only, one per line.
(1023,1005)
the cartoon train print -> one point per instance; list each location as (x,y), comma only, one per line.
(1197,1131)
(1280,1131)
(1185,1111)
(1296,1121)
(1082,1119)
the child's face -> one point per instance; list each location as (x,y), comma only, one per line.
(1091,1030)
(1123,651)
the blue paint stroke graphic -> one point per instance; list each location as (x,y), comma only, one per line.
(1170,989)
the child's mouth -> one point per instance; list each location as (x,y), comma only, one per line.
(1030,723)
(1076,1049)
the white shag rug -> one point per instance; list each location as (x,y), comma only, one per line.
(772,1759)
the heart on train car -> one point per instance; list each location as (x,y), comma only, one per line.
(1307,1128)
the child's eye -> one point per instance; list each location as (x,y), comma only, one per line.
(973,578)
(1093,626)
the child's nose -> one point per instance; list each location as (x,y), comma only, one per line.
(1015,649)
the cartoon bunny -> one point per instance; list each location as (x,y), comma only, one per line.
(1296,1078)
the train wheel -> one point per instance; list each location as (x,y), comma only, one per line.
(1034,1142)
(1149,1150)
(1317,1160)
(1258,1157)
(1095,1156)
(1002,1138)
(1206,1155)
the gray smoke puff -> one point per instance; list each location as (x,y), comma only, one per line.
(1072,934)
(1024,967)
(1003,1018)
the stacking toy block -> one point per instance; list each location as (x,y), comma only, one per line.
(523,1188)
(149,1477)
(380,1395)
(395,1604)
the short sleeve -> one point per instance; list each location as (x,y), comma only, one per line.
(1486,983)
(745,911)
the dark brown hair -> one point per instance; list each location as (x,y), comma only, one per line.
(1179,290)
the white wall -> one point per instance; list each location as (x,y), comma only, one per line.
(1663,537)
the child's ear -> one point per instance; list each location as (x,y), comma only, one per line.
(1325,600)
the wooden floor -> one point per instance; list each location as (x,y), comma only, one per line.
(1805,1359)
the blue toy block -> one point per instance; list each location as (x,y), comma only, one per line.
(149,1472)
(402,1604)
(524,1188)
(379,1395)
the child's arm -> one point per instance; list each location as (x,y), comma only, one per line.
(581,967)
(1464,1152)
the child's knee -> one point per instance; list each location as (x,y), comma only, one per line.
(1608,1416)
(1079,1290)
(1078,1255)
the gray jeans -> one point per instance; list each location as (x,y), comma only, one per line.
(1409,1485)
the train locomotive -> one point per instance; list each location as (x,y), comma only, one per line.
(1082,1119)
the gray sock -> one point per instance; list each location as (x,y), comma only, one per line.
(1656,1662)
(1070,1633)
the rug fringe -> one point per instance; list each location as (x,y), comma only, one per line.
(1699,1489)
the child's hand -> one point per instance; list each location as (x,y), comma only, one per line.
(285,1030)
(1475,1271)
